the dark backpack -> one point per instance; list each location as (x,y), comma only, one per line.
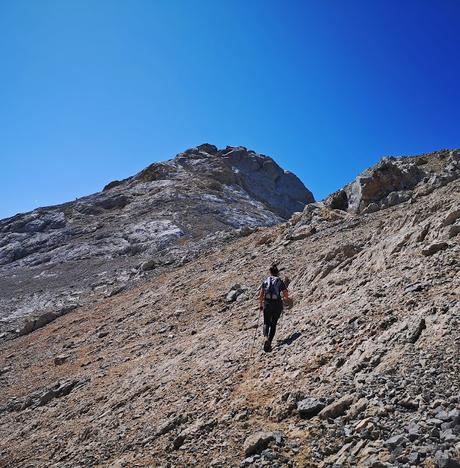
(272,286)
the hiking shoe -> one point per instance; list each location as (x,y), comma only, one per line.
(267,346)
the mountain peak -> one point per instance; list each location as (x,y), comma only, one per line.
(166,214)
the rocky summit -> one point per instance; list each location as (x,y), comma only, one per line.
(57,258)
(365,366)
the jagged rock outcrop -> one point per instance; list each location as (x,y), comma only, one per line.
(364,368)
(58,257)
(395,180)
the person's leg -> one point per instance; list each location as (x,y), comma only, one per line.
(267,320)
(268,314)
(274,320)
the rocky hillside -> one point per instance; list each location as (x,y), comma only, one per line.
(57,258)
(365,371)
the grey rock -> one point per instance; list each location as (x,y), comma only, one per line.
(116,291)
(451,217)
(111,202)
(446,460)
(309,407)
(416,330)
(339,200)
(416,287)
(170,424)
(266,181)
(443,415)
(371,208)
(279,437)
(5,370)
(446,425)
(434,422)
(257,442)
(448,436)
(149,265)
(178,441)
(35,322)
(434,248)
(413,431)
(337,408)
(234,293)
(395,441)
(357,408)
(111,185)
(248,461)
(60,359)
(268,455)
(453,230)
(409,403)
(395,198)
(42,397)
(454,416)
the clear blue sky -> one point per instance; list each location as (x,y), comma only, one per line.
(94,90)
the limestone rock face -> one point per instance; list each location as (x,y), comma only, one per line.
(266,181)
(163,216)
(396,180)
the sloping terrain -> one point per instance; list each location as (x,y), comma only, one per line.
(56,258)
(365,371)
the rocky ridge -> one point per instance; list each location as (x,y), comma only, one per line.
(57,258)
(396,180)
(364,372)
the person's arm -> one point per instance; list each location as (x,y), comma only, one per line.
(284,290)
(261,298)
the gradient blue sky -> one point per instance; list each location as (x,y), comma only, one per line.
(94,90)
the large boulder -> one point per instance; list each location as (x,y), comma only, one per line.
(376,183)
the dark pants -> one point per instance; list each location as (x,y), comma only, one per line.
(272,312)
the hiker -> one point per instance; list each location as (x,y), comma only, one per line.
(271,303)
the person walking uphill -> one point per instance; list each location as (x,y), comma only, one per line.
(271,303)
